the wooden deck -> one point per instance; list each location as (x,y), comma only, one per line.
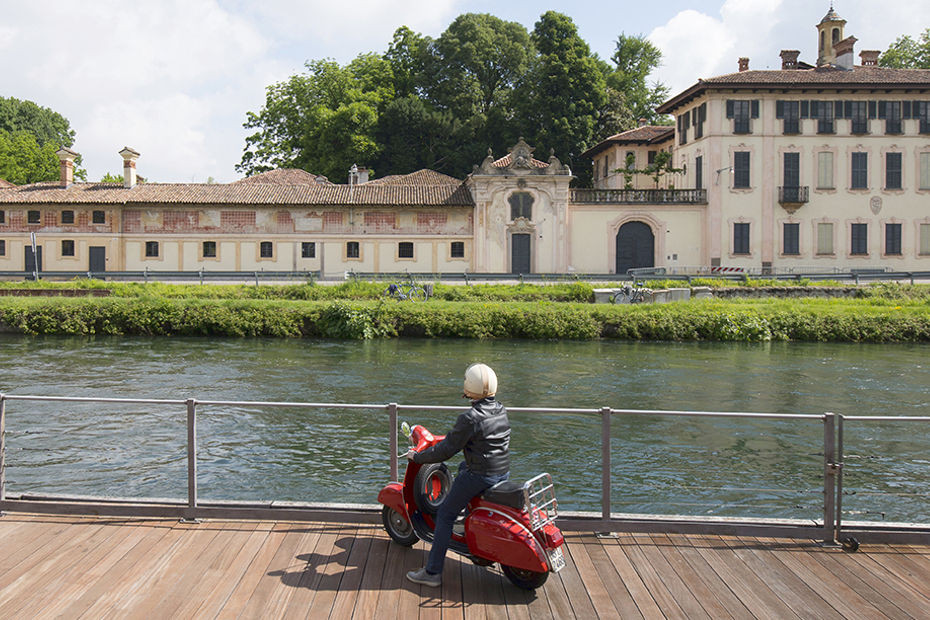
(74,567)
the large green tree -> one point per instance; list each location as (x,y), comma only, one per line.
(908,53)
(29,136)
(634,60)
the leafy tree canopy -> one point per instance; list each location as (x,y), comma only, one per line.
(634,59)
(29,137)
(907,53)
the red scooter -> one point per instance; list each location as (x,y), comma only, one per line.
(511,523)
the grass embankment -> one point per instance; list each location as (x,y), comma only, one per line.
(874,319)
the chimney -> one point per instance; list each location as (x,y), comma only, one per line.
(869,57)
(642,122)
(789,59)
(66,156)
(129,167)
(363,175)
(844,53)
(743,64)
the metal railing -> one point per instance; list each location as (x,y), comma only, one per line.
(793,194)
(638,196)
(194,508)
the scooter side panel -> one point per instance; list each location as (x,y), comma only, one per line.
(497,538)
(393,495)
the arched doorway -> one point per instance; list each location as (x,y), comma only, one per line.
(635,247)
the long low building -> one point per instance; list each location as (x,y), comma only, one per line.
(810,167)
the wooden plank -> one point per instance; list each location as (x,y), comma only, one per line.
(699,566)
(829,587)
(331,572)
(375,567)
(315,552)
(348,593)
(279,601)
(790,588)
(36,539)
(408,593)
(453,604)
(751,591)
(575,588)
(646,605)
(671,581)
(653,582)
(899,567)
(607,572)
(254,573)
(593,582)
(690,580)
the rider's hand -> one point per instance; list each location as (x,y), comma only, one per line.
(410,454)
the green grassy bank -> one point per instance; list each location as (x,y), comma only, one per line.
(874,319)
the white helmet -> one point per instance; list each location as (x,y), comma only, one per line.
(480,381)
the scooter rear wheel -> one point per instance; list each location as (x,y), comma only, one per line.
(398,528)
(525,579)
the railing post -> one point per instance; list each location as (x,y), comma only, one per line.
(392,416)
(2,449)
(839,477)
(191,458)
(829,478)
(605,465)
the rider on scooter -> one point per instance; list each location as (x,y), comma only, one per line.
(484,433)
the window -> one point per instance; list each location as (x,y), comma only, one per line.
(741,169)
(791,239)
(741,112)
(151,249)
(521,205)
(33,217)
(790,113)
(457,249)
(209,249)
(891,112)
(741,238)
(2,217)
(860,171)
(825,238)
(791,171)
(99,217)
(892,170)
(823,112)
(858,111)
(923,114)
(352,249)
(266,249)
(924,173)
(650,159)
(924,239)
(825,170)
(3,247)
(67,217)
(405,249)
(699,172)
(308,249)
(698,116)
(684,124)
(67,247)
(859,243)
(893,239)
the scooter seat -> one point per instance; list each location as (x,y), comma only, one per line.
(507,493)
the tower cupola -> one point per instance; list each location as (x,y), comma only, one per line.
(829,33)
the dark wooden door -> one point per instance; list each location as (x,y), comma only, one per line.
(30,259)
(635,247)
(98,259)
(520,253)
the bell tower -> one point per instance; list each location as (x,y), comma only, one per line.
(829,33)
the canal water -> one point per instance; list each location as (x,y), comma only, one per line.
(724,467)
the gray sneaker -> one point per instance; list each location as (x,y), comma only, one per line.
(422,577)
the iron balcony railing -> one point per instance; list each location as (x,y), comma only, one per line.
(793,195)
(832,463)
(638,196)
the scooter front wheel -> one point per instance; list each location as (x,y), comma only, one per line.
(398,528)
(525,579)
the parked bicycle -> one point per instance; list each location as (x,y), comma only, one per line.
(630,294)
(405,290)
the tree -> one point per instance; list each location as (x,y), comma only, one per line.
(634,60)
(563,92)
(407,55)
(413,135)
(906,53)
(29,137)
(112,178)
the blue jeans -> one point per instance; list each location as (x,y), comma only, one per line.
(465,486)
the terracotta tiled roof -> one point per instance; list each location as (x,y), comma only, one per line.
(507,159)
(239,194)
(821,77)
(5,183)
(286,176)
(647,134)
(420,177)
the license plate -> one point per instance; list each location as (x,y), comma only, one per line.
(556,560)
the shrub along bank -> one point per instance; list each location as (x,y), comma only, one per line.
(860,320)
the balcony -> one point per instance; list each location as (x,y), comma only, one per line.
(639,196)
(791,198)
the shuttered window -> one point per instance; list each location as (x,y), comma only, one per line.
(825,238)
(699,172)
(741,169)
(791,239)
(860,171)
(2,247)
(741,111)
(893,239)
(925,239)
(859,241)
(790,113)
(741,238)
(825,170)
(892,170)
(858,112)
(925,171)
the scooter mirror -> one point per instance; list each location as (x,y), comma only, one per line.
(405,429)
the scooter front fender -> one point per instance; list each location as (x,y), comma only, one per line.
(393,496)
(497,536)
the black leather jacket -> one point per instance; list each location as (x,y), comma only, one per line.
(484,433)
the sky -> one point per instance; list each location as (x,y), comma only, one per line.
(174,79)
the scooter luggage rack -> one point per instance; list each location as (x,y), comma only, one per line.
(540,500)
